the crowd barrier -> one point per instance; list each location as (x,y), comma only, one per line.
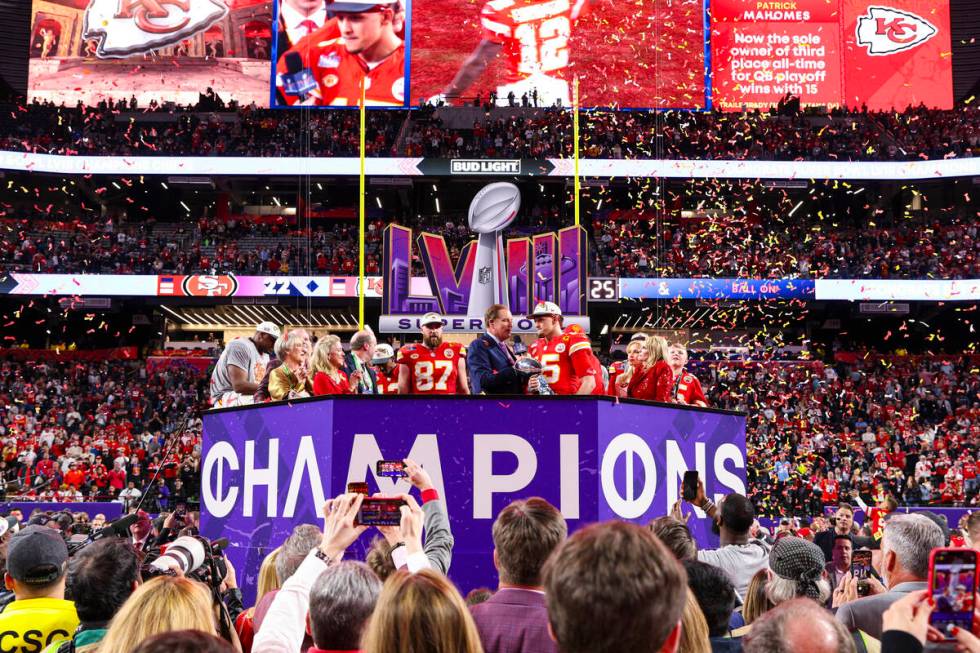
(268,468)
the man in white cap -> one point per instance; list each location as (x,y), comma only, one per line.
(241,366)
(570,367)
(433,367)
(386,368)
(367,49)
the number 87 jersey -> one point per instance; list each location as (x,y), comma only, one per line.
(432,371)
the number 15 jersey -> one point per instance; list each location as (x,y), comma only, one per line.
(432,372)
(565,360)
(534,34)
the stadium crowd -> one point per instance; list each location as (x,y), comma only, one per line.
(623,243)
(912,134)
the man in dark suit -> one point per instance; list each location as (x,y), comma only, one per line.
(358,359)
(490,360)
(905,548)
(515,618)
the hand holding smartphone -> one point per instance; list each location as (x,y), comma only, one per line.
(952,588)
(861,570)
(379,512)
(689,487)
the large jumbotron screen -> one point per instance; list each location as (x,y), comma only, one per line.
(682,54)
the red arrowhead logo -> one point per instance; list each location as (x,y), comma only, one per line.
(884,31)
(128,27)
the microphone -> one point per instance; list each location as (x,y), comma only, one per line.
(119,528)
(297,81)
(520,349)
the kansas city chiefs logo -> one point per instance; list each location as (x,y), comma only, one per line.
(885,31)
(128,27)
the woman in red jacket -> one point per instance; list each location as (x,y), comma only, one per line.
(326,364)
(652,379)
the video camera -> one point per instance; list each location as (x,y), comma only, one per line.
(193,556)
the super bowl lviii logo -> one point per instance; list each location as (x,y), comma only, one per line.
(516,273)
(128,27)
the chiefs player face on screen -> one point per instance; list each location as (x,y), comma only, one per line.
(565,355)
(360,43)
(433,367)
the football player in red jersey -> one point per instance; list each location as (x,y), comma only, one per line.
(360,42)
(534,35)
(687,387)
(570,367)
(433,367)
(386,368)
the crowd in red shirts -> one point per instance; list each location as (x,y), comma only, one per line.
(912,134)
(77,430)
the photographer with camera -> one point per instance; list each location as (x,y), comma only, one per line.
(101,578)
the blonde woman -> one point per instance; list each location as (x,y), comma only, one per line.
(651,379)
(326,368)
(161,605)
(694,628)
(421,613)
(268,581)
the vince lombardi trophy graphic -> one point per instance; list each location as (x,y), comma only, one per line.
(491,211)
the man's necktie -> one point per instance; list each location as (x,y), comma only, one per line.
(507,354)
(308,26)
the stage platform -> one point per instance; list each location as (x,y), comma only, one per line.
(269,467)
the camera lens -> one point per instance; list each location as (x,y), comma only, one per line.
(185,553)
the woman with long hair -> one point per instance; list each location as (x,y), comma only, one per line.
(326,368)
(694,628)
(651,378)
(421,613)
(160,605)
(268,581)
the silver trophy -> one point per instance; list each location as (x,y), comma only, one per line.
(528,367)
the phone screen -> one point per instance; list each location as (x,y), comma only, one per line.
(380,512)
(358,488)
(690,486)
(952,579)
(391,468)
(861,565)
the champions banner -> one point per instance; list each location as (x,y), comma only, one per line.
(269,468)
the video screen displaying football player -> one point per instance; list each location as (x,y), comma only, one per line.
(434,367)
(361,41)
(534,37)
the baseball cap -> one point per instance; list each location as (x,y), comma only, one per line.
(357,6)
(269,328)
(430,318)
(37,555)
(382,354)
(545,308)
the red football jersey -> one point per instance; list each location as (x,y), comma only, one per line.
(688,387)
(534,34)
(388,385)
(432,372)
(565,359)
(339,73)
